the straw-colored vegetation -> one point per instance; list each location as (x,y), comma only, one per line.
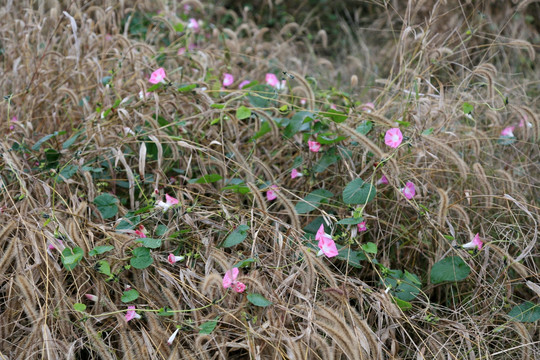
(87,157)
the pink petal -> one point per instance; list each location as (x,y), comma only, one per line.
(328,246)
(272,80)
(158,76)
(270,194)
(239,287)
(170,200)
(131,314)
(393,137)
(362,226)
(508,131)
(382,180)
(409,190)
(230,277)
(140,233)
(314,146)
(91,297)
(368,107)
(243,83)
(295,173)
(228,79)
(478,242)
(303,102)
(193,24)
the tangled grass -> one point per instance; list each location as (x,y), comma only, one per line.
(89,154)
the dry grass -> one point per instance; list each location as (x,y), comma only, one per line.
(77,67)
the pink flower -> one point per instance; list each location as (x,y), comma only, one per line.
(326,244)
(362,226)
(140,233)
(60,247)
(409,190)
(91,297)
(303,102)
(240,287)
(524,121)
(295,173)
(475,243)
(228,79)
(368,107)
(272,80)
(393,137)
(158,76)
(187,8)
(270,194)
(131,314)
(173,259)
(314,146)
(144,95)
(193,25)
(173,336)
(13,119)
(229,281)
(170,201)
(333,107)
(382,180)
(243,83)
(508,131)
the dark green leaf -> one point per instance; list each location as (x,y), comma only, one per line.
(150,243)
(365,127)
(72,257)
(66,172)
(129,296)
(141,258)
(258,300)
(100,250)
(104,267)
(353,257)
(325,162)
(312,201)
(296,122)
(358,192)
(403,305)
(161,230)
(107,205)
(452,268)
(243,113)
(370,248)
(350,221)
(526,312)
(265,128)
(206,179)
(244,263)
(403,286)
(334,115)
(71,140)
(208,327)
(262,95)
(236,237)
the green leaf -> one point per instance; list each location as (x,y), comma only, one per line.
(141,258)
(329,138)
(161,229)
(207,327)
(365,127)
(506,140)
(129,221)
(179,27)
(106,204)
(154,87)
(526,312)
(325,162)
(312,201)
(129,296)
(66,172)
(403,305)
(244,263)
(72,257)
(217,106)
(258,300)
(353,257)
(427,131)
(206,179)
(104,267)
(98,250)
(334,115)
(350,221)
(165,312)
(71,140)
(295,123)
(236,237)
(403,286)
(262,95)
(240,189)
(243,113)
(265,128)
(452,268)
(79,307)
(370,248)
(187,88)
(467,108)
(149,242)
(358,192)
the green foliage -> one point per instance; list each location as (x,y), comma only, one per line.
(141,258)
(79,307)
(262,96)
(207,327)
(98,250)
(236,237)
(149,242)
(206,179)
(312,201)
(72,257)
(526,312)
(243,113)
(258,300)
(129,296)
(107,205)
(358,192)
(46,138)
(404,286)
(451,268)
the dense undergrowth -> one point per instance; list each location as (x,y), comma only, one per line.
(263,130)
